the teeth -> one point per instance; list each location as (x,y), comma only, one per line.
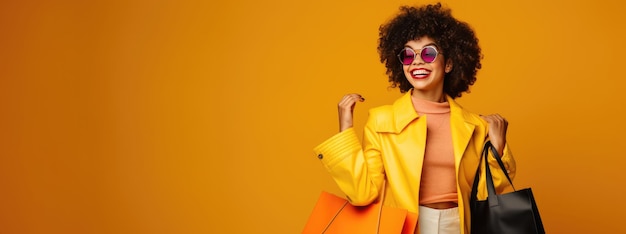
(420,72)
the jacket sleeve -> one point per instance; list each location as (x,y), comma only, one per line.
(357,170)
(499,179)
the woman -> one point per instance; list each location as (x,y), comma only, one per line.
(424,145)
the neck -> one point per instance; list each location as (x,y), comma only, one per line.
(429,96)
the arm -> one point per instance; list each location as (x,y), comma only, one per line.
(499,179)
(498,126)
(357,172)
(497,135)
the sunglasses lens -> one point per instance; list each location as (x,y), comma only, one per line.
(406,56)
(429,54)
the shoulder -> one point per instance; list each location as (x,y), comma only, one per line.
(394,117)
(382,111)
(381,117)
(476,118)
(467,115)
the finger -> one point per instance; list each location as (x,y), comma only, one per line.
(493,117)
(487,118)
(356,96)
(348,101)
(501,119)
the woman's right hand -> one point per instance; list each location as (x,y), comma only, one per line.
(346,110)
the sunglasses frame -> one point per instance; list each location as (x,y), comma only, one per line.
(415,53)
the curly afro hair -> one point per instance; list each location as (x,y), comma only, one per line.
(455,39)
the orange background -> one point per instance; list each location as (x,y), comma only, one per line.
(200,116)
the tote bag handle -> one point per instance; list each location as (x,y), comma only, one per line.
(491,190)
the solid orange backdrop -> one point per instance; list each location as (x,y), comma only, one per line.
(200,116)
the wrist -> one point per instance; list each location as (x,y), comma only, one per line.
(344,127)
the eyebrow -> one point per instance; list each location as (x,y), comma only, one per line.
(429,44)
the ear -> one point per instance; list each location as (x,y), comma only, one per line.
(448,65)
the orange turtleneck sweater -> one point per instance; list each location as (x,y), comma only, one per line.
(438,182)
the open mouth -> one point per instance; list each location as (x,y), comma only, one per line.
(420,73)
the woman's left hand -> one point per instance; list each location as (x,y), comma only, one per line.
(497,131)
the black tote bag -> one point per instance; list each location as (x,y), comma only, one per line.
(509,213)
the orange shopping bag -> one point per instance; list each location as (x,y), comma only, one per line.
(333,214)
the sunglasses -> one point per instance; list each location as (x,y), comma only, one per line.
(428,54)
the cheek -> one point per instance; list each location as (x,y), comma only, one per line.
(407,74)
(405,70)
(438,65)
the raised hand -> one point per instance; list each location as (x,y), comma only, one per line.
(497,131)
(346,110)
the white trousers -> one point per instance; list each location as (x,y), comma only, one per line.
(434,221)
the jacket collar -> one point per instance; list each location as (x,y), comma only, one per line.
(462,123)
(404,113)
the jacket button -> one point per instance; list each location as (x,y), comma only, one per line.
(320,156)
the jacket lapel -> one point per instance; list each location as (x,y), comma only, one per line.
(462,125)
(404,112)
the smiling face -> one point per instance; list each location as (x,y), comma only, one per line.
(426,78)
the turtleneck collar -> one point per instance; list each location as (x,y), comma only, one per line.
(429,107)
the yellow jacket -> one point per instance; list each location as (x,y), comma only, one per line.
(393,146)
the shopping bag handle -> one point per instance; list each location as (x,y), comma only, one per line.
(380,210)
(491,191)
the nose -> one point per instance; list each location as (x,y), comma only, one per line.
(417,60)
